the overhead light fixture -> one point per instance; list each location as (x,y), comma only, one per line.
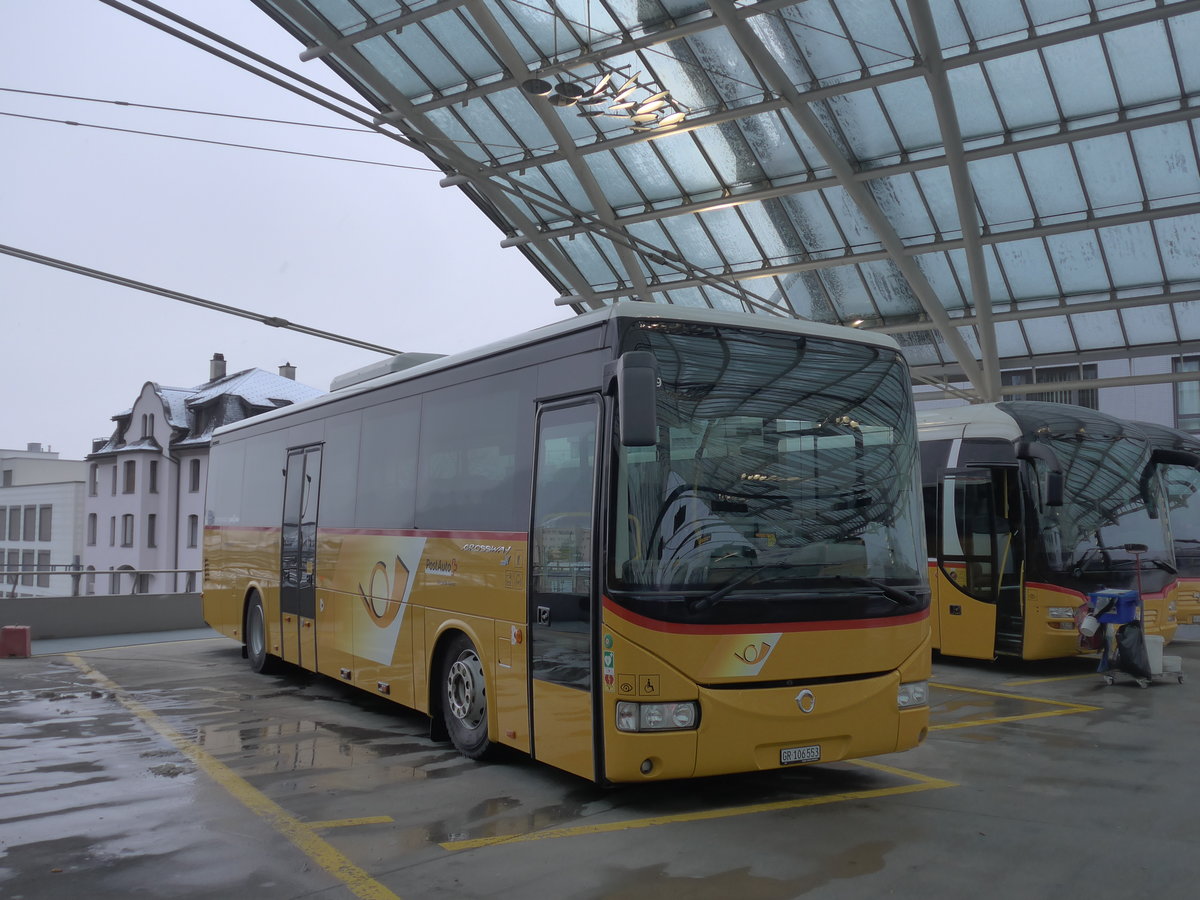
(654,111)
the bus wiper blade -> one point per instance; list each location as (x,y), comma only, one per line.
(893,593)
(710,600)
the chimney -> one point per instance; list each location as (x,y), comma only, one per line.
(287,370)
(216,368)
(33,448)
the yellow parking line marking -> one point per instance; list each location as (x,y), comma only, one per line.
(299,833)
(1065,710)
(350,823)
(921,783)
(1048,680)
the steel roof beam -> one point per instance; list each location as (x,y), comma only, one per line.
(964,191)
(948,391)
(752,47)
(950,372)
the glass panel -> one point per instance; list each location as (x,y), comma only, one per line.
(1097,329)
(1131,256)
(812,221)
(1081,78)
(1167,159)
(734,244)
(1001,193)
(1109,174)
(379,52)
(1179,243)
(847,293)
(995,18)
(1078,262)
(1027,269)
(904,207)
(619,190)
(861,120)
(818,34)
(341,14)
(682,158)
(1149,325)
(936,267)
(858,234)
(1053,183)
(1187,314)
(977,114)
(1010,342)
(910,108)
(1051,334)
(1185,33)
(1143,63)
(1022,90)
(890,289)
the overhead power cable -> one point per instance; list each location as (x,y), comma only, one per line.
(196,140)
(272,321)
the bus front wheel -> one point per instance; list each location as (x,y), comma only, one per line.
(256,636)
(464,698)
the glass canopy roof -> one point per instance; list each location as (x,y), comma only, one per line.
(997,183)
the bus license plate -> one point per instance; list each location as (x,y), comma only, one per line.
(789,755)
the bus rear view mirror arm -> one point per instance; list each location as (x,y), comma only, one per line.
(1054,478)
(634,377)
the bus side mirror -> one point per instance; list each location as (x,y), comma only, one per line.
(1054,478)
(635,378)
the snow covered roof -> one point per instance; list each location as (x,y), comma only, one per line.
(193,413)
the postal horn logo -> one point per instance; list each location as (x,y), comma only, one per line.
(382,595)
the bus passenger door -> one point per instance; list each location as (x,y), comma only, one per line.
(967,572)
(298,557)
(562,599)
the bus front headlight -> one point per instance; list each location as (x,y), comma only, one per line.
(680,716)
(914,693)
(1061,612)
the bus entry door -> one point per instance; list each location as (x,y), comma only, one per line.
(562,599)
(298,557)
(967,578)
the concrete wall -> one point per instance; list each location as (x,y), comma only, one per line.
(59,617)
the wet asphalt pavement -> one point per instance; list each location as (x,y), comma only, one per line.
(170,770)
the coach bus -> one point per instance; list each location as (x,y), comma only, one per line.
(645,543)
(1029,507)
(1179,455)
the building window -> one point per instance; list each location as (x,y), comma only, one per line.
(89,581)
(27,567)
(194,475)
(30,525)
(193,531)
(127,530)
(14,523)
(1187,395)
(1049,375)
(112,531)
(130,476)
(143,424)
(151,530)
(114,479)
(3,522)
(153,475)
(12,565)
(43,564)
(6,478)
(94,480)
(45,515)
(91,529)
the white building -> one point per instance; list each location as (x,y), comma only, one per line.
(41,515)
(144,508)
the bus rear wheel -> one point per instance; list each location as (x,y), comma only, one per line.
(256,636)
(464,698)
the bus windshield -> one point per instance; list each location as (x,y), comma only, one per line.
(786,466)
(1108,504)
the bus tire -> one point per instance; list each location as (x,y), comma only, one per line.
(256,636)
(464,698)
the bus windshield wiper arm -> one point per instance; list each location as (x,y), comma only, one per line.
(895,594)
(710,600)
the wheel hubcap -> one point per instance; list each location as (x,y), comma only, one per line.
(257,639)
(464,689)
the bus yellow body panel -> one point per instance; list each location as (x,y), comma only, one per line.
(1187,601)
(961,625)
(744,728)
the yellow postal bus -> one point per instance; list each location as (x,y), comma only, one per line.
(1178,454)
(645,543)
(1029,507)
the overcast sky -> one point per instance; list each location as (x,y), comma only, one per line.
(377,253)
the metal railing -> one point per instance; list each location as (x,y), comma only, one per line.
(84,582)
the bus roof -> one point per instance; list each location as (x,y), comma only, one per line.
(1017,419)
(406,366)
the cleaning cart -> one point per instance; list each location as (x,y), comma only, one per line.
(1115,618)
